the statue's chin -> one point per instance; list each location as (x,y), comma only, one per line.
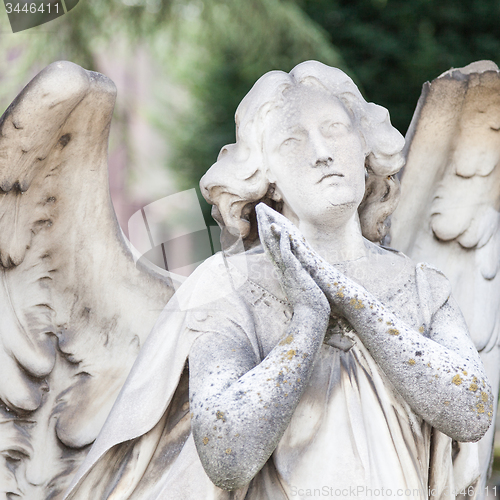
(329,215)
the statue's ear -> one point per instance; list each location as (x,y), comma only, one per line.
(274,193)
(271,178)
(364,143)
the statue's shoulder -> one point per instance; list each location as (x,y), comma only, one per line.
(430,282)
(225,284)
(258,270)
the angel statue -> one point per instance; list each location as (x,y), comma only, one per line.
(314,361)
(305,359)
(449,209)
(75,307)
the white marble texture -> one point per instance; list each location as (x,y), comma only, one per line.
(328,361)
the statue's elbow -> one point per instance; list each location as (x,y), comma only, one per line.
(230,484)
(229,468)
(475,431)
(229,476)
(473,428)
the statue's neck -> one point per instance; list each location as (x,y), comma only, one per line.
(336,244)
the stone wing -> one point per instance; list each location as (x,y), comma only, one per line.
(74,307)
(449,213)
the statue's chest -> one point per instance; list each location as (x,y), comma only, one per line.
(272,316)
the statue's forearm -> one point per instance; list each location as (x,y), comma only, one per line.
(238,428)
(448,389)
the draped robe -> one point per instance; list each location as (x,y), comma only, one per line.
(351,433)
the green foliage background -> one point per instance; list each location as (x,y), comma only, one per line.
(215,50)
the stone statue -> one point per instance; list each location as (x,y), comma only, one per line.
(304,357)
(75,308)
(449,210)
(315,358)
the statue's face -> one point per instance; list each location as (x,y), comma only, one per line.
(315,157)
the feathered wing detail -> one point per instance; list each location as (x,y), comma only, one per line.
(74,306)
(449,213)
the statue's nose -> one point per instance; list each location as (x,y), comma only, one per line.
(324,160)
(321,151)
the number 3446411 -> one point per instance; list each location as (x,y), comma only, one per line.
(32,8)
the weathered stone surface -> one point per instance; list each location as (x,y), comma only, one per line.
(449,210)
(323,359)
(75,309)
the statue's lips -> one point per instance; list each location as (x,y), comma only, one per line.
(328,176)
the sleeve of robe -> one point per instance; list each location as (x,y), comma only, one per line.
(453,466)
(145,449)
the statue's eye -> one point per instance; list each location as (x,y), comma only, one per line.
(289,143)
(333,128)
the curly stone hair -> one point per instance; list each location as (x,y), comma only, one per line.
(239,180)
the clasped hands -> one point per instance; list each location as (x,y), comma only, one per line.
(307,279)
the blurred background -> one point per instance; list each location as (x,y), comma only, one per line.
(181,68)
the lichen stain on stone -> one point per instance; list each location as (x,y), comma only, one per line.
(291,353)
(484,396)
(473,387)
(411,361)
(220,415)
(456,379)
(393,331)
(446,403)
(287,340)
(464,372)
(205,440)
(380,319)
(480,408)
(421,329)
(358,304)
(228,451)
